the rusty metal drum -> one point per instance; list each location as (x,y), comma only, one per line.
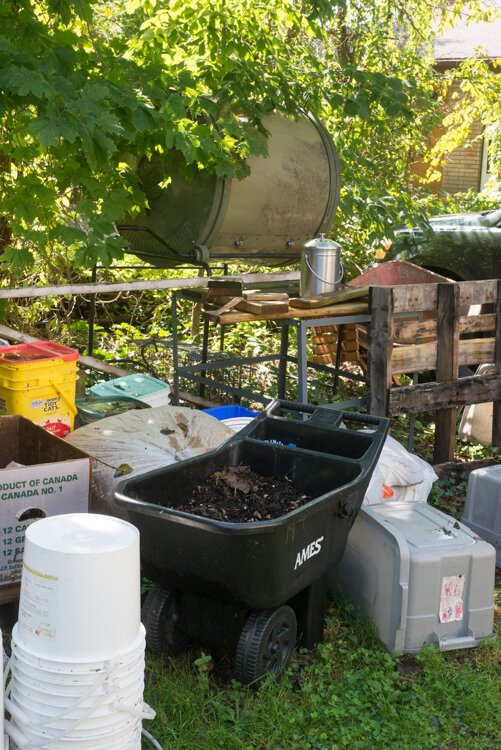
(289,196)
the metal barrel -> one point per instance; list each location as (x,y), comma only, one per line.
(289,196)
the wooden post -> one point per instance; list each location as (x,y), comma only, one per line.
(496,406)
(381,336)
(447,367)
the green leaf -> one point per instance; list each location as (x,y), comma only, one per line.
(17,258)
(46,131)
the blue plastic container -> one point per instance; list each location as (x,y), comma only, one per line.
(229,412)
(233,416)
(142,387)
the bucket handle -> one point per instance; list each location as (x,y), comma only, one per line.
(71,406)
(325,281)
(146,712)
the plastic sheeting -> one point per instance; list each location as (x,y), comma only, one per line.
(138,441)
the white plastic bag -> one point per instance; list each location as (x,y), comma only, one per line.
(399,475)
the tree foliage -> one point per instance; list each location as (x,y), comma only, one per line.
(86,83)
(473,94)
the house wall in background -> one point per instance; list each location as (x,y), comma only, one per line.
(463,167)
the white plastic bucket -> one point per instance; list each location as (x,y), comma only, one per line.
(99,709)
(80,588)
(48,687)
(77,702)
(125,740)
(237,423)
(76,670)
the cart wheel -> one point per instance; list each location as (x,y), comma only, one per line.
(160,617)
(266,643)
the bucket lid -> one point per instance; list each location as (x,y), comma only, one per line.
(21,354)
(321,243)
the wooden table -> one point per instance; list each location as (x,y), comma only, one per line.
(300,319)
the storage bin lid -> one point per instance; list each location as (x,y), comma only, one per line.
(22,354)
(135,386)
(421,525)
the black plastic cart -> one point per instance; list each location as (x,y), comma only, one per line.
(253,586)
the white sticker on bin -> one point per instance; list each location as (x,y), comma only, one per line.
(451,598)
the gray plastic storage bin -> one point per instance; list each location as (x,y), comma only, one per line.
(421,577)
(482,510)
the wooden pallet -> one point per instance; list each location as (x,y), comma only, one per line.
(425,327)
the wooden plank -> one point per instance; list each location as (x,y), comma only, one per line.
(363,337)
(475,389)
(478,323)
(381,336)
(496,406)
(347,308)
(415,297)
(417,357)
(324,338)
(322,359)
(255,296)
(407,331)
(229,305)
(263,308)
(463,467)
(202,403)
(324,300)
(422,297)
(224,288)
(478,292)
(447,368)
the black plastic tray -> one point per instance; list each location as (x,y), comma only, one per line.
(261,564)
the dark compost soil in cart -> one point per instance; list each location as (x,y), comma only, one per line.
(237,494)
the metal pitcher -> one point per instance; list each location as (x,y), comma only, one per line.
(321,268)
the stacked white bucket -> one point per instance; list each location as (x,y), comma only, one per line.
(77,666)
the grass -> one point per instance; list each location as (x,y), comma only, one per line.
(348,693)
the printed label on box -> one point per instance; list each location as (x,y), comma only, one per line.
(37,604)
(34,492)
(36,403)
(451,598)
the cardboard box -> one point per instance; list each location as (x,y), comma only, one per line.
(53,477)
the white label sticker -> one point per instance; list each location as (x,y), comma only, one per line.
(37,605)
(451,598)
(37,403)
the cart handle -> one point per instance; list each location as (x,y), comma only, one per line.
(325,417)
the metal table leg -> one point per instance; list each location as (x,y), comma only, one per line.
(282,366)
(175,353)
(339,347)
(205,347)
(302,363)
